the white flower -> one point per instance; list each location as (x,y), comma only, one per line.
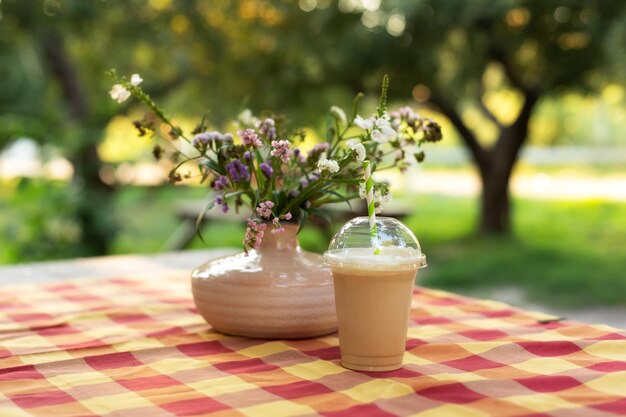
(383,132)
(328,164)
(379,198)
(364,124)
(357,147)
(339,114)
(385,127)
(377,136)
(119,93)
(382,198)
(136,79)
(381,129)
(360,152)
(246,118)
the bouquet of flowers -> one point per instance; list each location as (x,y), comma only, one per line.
(261,165)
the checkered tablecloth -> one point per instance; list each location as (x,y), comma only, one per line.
(134,346)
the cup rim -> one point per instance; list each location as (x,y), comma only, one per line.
(406,264)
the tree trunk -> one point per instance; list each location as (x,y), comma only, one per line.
(495,165)
(496,170)
(94,205)
(495,212)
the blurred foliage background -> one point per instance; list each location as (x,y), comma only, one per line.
(527,191)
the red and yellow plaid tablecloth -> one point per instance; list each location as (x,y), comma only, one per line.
(136,347)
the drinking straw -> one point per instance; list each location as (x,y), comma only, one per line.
(371,210)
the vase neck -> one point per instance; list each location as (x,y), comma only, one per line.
(285,241)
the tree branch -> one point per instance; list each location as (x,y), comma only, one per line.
(58,63)
(498,55)
(523,119)
(484,110)
(478,153)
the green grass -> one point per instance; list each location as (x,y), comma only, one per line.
(567,253)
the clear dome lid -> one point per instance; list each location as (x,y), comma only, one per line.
(355,246)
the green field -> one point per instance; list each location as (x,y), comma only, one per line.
(567,253)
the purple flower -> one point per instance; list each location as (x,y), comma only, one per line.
(220,201)
(316,152)
(238,171)
(267,128)
(247,156)
(314,176)
(297,153)
(220,183)
(202,140)
(267,170)
(320,147)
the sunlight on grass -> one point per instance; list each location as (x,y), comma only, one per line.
(567,253)
(562,252)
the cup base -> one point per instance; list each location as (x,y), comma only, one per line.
(371,363)
(371,368)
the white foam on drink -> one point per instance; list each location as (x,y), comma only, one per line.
(391,258)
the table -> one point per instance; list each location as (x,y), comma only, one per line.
(129,343)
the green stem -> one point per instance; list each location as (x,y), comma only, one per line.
(305,194)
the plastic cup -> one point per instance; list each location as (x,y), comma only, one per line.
(373,292)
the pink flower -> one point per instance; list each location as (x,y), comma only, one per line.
(281,150)
(250,138)
(254,235)
(278,228)
(265,209)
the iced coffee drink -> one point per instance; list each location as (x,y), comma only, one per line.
(373,292)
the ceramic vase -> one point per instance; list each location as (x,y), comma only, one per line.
(276,292)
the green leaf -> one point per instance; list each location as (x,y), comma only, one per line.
(204,210)
(330,129)
(321,213)
(204,172)
(214,166)
(382,103)
(345,181)
(341,197)
(355,106)
(232,194)
(303,218)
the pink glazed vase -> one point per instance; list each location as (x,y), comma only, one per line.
(276,292)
